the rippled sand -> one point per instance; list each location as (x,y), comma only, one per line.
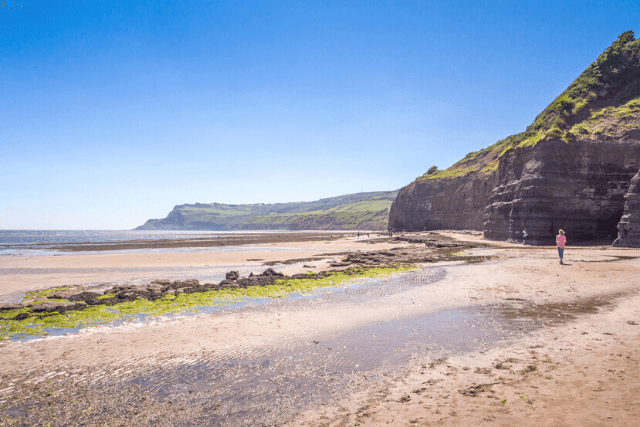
(445,345)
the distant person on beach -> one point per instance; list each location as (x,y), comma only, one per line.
(561,240)
(524,236)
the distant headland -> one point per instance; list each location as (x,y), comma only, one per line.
(359,211)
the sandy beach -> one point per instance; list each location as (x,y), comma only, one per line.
(23,273)
(516,340)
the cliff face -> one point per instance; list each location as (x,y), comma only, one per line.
(578,187)
(569,169)
(629,225)
(446,203)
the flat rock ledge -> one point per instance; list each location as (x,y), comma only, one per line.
(629,225)
(78,298)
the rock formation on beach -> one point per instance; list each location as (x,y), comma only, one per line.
(569,169)
(629,225)
(79,298)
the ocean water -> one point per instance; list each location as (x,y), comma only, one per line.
(40,242)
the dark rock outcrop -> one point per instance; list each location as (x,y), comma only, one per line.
(77,298)
(629,225)
(577,186)
(232,275)
(443,203)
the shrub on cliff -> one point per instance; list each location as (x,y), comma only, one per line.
(612,79)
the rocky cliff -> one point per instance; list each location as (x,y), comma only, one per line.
(447,199)
(629,225)
(570,169)
(578,187)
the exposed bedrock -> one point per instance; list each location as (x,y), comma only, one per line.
(444,203)
(629,225)
(577,186)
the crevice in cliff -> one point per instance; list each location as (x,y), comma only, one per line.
(609,226)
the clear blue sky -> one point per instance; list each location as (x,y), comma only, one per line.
(114,112)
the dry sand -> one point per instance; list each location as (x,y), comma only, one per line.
(579,370)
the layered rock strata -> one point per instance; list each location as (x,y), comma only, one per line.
(629,225)
(570,169)
(577,186)
(445,203)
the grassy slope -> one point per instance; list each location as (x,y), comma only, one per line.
(372,214)
(608,90)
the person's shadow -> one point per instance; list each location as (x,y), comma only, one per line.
(564,264)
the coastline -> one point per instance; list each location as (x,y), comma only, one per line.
(522,283)
(28,273)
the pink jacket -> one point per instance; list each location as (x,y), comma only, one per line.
(561,241)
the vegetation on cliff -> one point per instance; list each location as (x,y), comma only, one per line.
(605,97)
(352,211)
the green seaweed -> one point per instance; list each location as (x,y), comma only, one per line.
(46,292)
(181,303)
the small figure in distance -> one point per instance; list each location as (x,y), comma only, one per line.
(561,240)
(524,236)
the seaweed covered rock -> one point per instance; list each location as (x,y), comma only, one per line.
(629,225)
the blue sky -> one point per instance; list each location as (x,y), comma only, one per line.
(114,112)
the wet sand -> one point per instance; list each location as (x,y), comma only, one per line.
(20,274)
(442,346)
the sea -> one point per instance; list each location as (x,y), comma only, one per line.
(41,242)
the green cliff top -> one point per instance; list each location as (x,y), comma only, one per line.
(603,99)
(351,211)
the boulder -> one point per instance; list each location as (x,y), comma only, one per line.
(271,272)
(90,298)
(629,225)
(5,307)
(22,316)
(64,294)
(229,284)
(155,287)
(232,275)
(45,307)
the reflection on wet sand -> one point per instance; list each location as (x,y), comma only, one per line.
(324,357)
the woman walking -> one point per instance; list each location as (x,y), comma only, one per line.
(561,240)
